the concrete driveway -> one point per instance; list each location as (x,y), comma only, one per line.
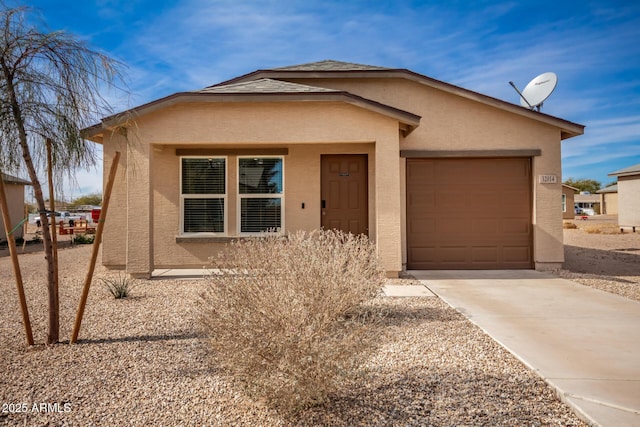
(584,342)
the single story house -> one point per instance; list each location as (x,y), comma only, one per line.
(587,203)
(14,189)
(438,176)
(609,200)
(568,200)
(628,196)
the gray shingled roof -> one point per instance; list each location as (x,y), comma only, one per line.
(330,65)
(610,189)
(264,86)
(631,170)
(14,179)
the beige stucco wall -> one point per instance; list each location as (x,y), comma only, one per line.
(609,203)
(15,201)
(629,201)
(145,238)
(141,232)
(114,248)
(450,122)
(569,212)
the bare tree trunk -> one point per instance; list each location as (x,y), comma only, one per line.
(54,301)
(54,323)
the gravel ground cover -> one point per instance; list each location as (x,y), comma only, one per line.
(141,361)
(598,255)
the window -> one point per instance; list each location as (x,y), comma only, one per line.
(203,195)
(564,203)
(260,194)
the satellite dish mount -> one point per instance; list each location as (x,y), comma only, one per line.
(537,91)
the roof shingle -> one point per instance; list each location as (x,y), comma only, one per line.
(14,179)
(330,65)
(264,86)
(631,170)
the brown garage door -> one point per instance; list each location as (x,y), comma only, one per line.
(469,214)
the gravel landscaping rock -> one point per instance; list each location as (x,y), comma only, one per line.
(141,361)
(609,262)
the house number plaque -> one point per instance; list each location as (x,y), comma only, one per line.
(547,179)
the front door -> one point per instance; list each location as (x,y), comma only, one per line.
(344,201)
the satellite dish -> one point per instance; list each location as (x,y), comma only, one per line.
(537,91)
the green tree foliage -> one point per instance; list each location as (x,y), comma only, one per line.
(90,199)
(589,185)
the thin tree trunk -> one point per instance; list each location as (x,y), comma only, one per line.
(54,301)
(95,249)
(54,327)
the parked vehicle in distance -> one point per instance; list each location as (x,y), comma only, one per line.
(68,218)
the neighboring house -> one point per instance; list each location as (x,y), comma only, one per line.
(628,196)
(587,204)
(14,189)
(440,177)
(609,200)
(568,209)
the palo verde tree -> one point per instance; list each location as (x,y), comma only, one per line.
(590,185)
(50,85)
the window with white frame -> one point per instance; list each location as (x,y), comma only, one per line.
(260,194)
(564,203)
(203,194)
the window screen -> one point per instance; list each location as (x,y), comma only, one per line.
(203,195)
(260,188)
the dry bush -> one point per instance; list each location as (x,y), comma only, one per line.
(286,316)
(601,229)
(569,225)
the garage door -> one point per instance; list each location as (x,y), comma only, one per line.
(469,214)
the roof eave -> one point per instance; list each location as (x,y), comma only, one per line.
(408,121)
(567,129)
(630,173)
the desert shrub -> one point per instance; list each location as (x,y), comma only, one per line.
(83,239)
(286,316)
(119,285)
(569,225)
(601,229)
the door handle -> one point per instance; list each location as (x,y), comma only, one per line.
(324,204)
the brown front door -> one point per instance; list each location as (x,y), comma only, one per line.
(344,193)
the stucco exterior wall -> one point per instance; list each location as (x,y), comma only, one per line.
(453,123)
(152,205)
(569,212)
(629,201)
(114,238)
(15,201)
(143,224)
(609,203)
(301,185)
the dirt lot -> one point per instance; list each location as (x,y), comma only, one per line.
(142,361)
(597,254)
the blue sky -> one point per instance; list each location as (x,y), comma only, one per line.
(593,47)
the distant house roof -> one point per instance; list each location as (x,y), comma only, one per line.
(631,170)
(570,187)
(610,189)
(587,198)
(14,179)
